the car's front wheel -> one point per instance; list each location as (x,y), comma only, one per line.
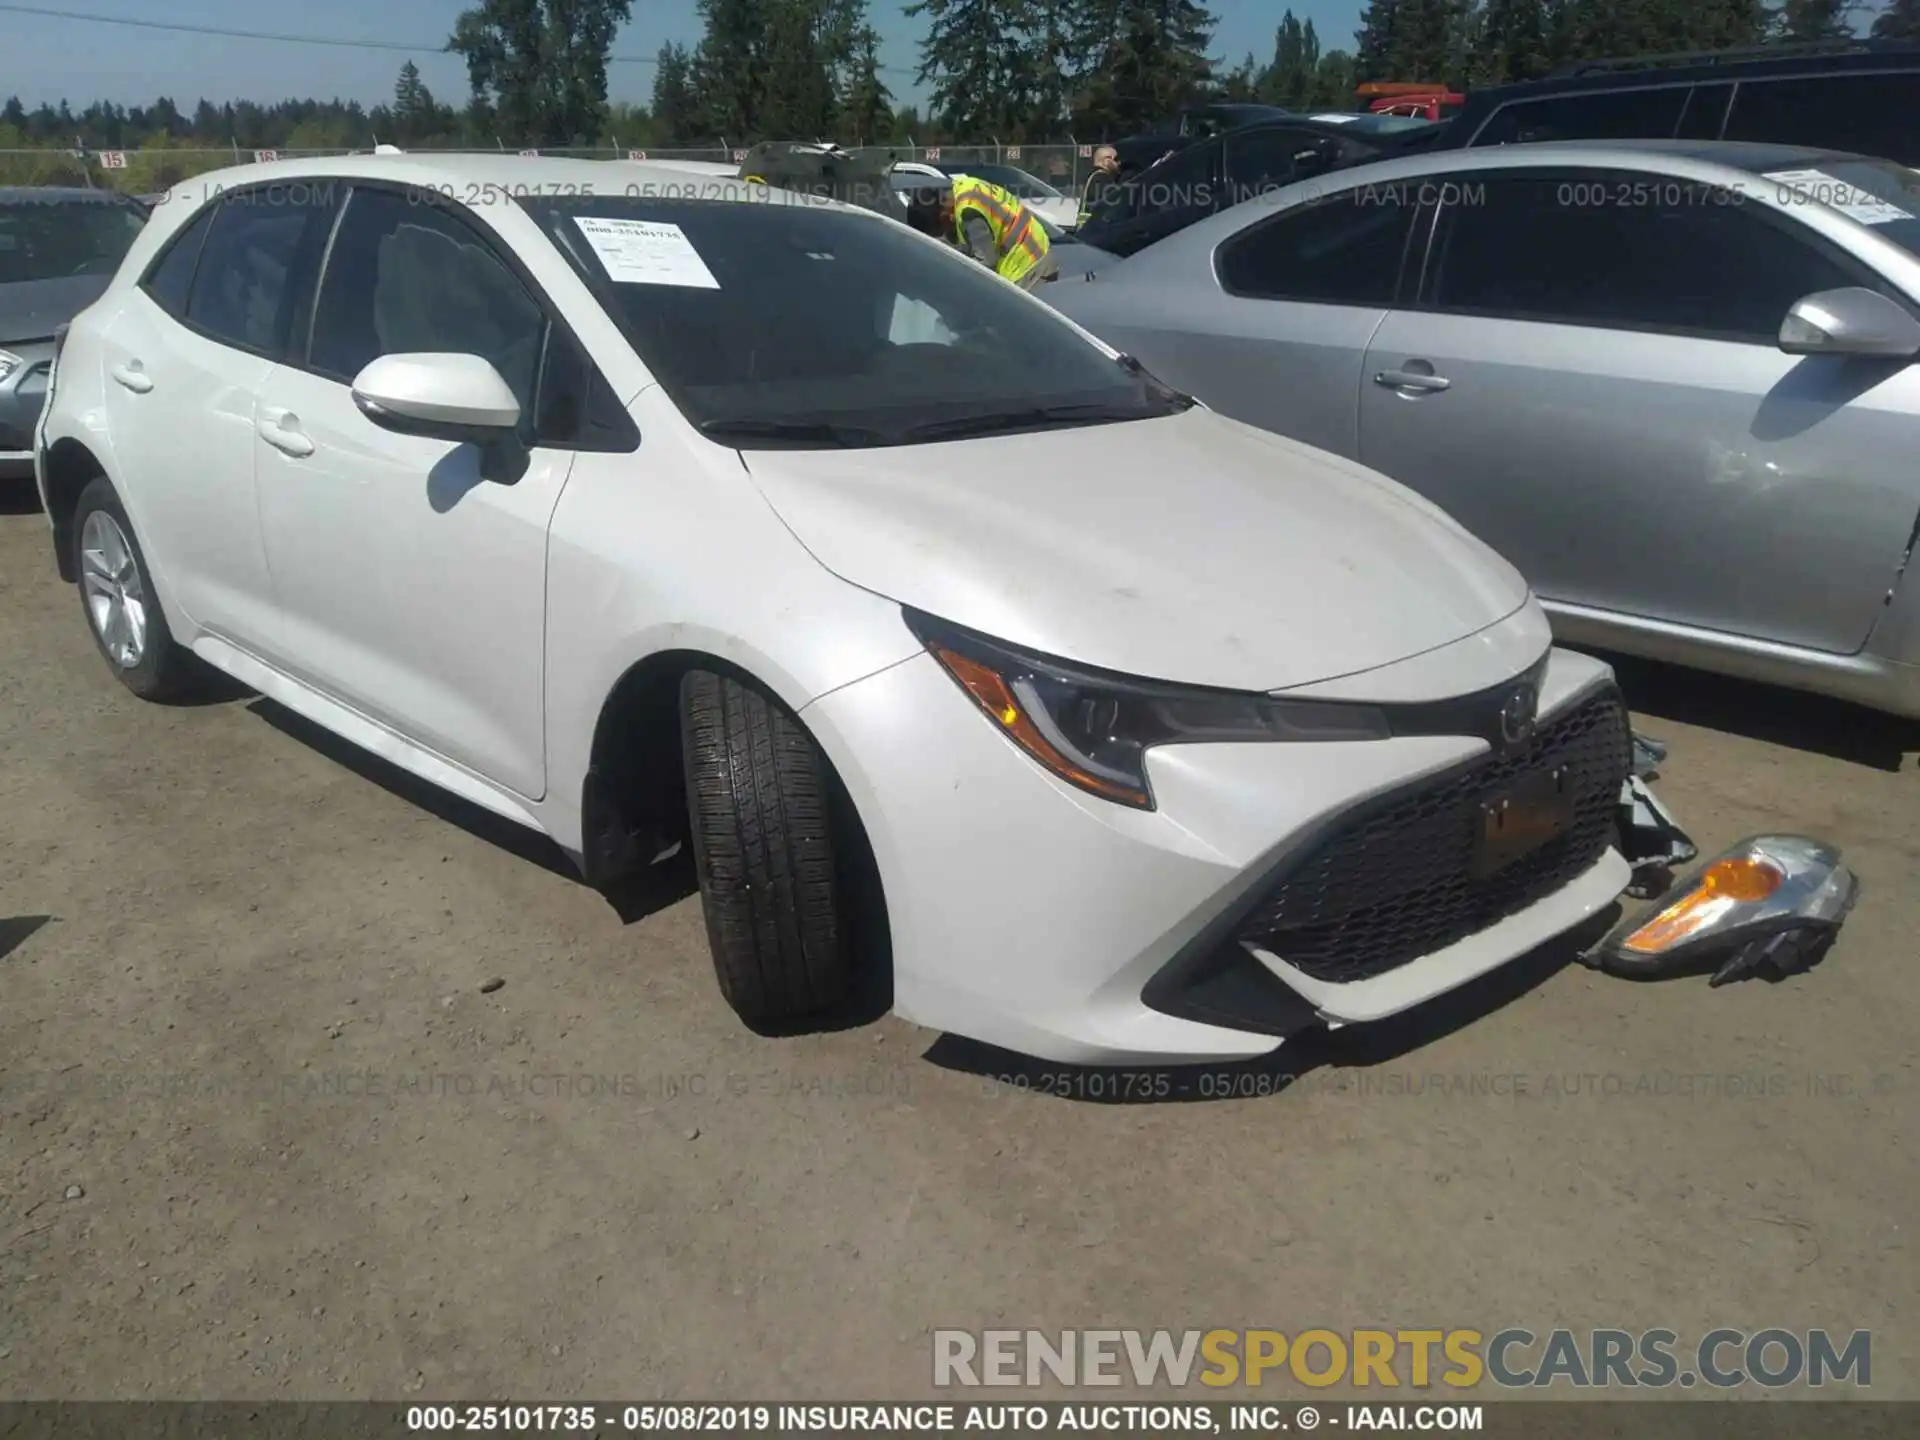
(123,610)
(763,846)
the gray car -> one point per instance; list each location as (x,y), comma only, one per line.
(1672,381)
(58,250)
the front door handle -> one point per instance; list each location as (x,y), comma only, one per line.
(133,375)
(281,429)
(1411,380)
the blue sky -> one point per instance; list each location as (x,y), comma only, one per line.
(69,59)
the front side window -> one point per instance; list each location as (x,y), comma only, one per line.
(1343,250)
(1601,115)
(405,277)
(1866,114)
(795,320)
(1589,248)
(53,237)
(248,284)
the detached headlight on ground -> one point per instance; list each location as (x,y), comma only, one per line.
(1770,906)
(1093,729)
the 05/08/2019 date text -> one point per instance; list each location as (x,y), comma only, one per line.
(563,1419)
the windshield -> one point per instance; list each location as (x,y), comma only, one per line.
(1011,177)
(52,238)
(1881,195)
(810,324)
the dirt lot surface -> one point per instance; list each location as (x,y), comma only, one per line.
(266,1130)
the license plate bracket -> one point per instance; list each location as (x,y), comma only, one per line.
(1514,823)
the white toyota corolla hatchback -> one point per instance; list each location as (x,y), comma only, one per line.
(650,507)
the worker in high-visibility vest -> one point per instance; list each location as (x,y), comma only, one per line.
(1103,184)
(989,224)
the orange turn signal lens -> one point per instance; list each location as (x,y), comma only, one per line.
(992,694)
(1723,886)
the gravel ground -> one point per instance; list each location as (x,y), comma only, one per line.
(315,1085)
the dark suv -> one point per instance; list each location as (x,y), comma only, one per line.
(1213,174)
(1860,96)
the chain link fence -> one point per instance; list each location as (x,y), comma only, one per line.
(1064,166)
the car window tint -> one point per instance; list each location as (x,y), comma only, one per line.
(245,287)
(1864,113)
(1259,161)
(404,277)
(1585,248)
(1183,181)
(1345,250)
(1607,115)
(48,236)
(169,281)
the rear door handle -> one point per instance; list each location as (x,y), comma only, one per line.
(133,376)
(281,429)
(1410,380)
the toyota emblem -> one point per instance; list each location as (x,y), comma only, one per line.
(1517,714)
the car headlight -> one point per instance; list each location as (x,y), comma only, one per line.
(9,362)
(1093,729)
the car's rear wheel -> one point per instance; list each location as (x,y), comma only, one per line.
(123,611)
(758,794)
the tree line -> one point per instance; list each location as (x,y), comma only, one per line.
(1012,71)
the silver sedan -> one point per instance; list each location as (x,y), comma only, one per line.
(1672,381)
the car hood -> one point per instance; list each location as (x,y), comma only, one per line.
(1191,548)
(34,309)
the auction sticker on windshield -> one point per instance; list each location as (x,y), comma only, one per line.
(1849,200)
(646,252)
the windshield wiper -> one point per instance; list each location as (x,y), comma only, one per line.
(804,432)
(1038,417)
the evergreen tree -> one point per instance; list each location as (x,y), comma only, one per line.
(676,105)
(1374,57)
(1813,20)
(968,62)
(1153,63)
(1513,42)
(415,115)
(727,69)
(1899,21)
(866,110)
(1289,80)
(1334,80)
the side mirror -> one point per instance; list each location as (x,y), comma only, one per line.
(1853,321)
(440,396)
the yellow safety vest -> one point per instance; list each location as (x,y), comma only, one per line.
(1016,234)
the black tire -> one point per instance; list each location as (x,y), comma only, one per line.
(164,670)
(763,848)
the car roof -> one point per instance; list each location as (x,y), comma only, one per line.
(1730,154)
(59,195)
(532,176)
(1749,64)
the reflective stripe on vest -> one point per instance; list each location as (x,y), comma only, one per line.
(1020,242)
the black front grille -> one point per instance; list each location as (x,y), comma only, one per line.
(1393,881)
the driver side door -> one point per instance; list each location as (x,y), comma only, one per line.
(409,573)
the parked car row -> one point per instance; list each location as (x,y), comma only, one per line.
(970,657)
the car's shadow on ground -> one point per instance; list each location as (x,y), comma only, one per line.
(1778,716)
(1314,1057)
(16,930)
(652,890)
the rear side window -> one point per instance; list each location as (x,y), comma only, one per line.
(1259,161)
(1604,115)
(1345,250)
(1706,112)
(1865,113)
(249,282)
(404,276)
(171,279)
(1566,248)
